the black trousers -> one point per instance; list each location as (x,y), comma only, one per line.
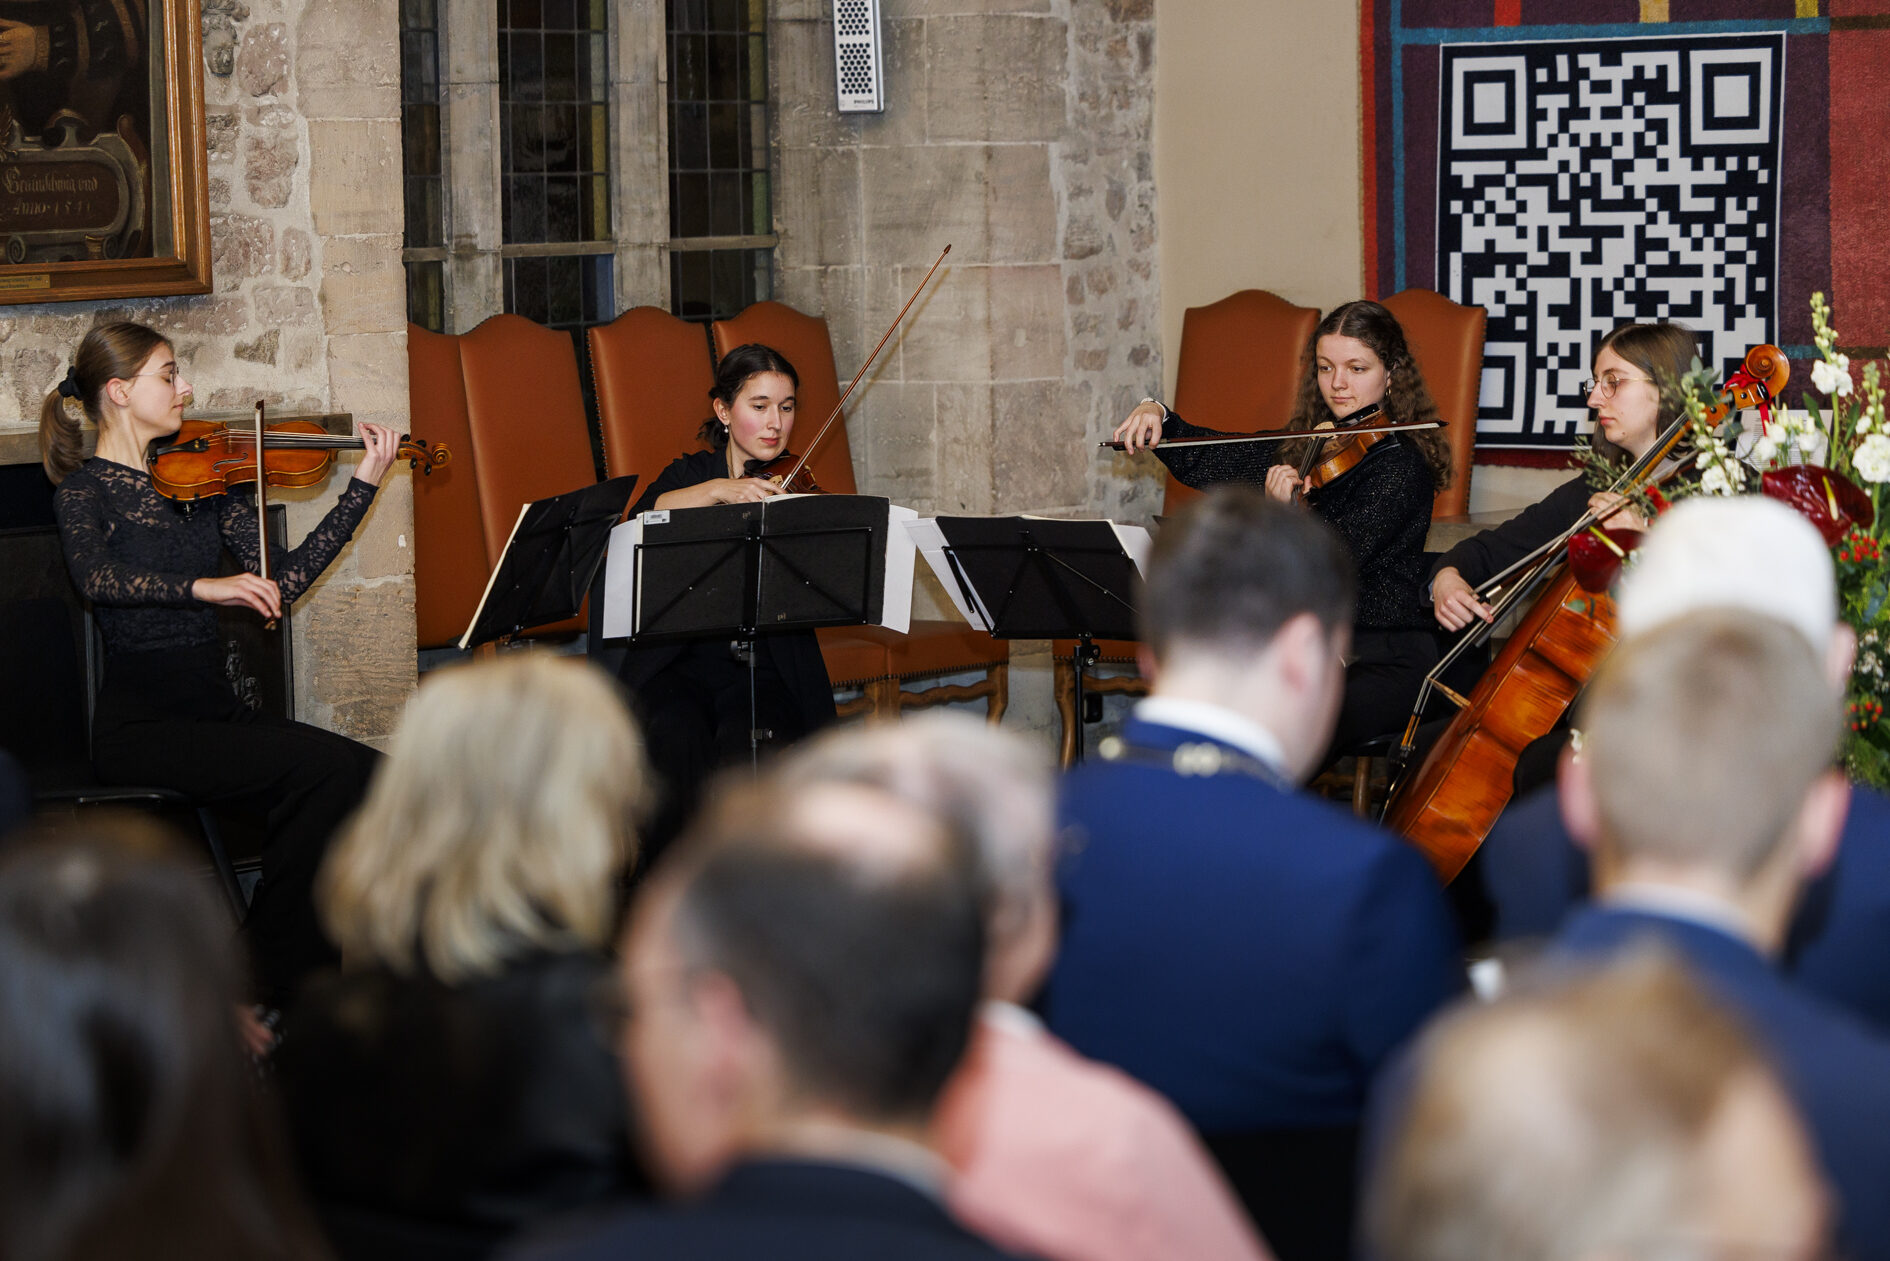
(695,714)
(1381,683)
(168,719)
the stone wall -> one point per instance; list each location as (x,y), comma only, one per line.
(1019,132)
(308,311)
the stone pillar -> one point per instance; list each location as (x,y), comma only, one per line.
(475,227)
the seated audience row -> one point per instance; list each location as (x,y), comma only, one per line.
(817,1030)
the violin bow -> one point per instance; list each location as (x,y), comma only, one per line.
(808,453)
(1283,435)
(262,511)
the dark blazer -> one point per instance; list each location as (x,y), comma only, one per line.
(1249,950)
(1836,1068)
(794,655)
(779,1210)
(1839,943)
(478,1108)
(1483,555)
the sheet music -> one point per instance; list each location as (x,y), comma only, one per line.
(1136,542)
(929,540)
(620,577)
(465,640)
(621,614)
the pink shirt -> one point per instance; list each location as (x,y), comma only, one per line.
(1062,1158)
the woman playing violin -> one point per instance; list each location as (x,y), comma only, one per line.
(165,714)
(1631,408)
(693,698)
(1357,358)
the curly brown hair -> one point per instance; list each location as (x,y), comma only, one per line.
(1406,399)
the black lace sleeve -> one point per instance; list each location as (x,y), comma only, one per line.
(1201,467)
(295,571)
(105,579)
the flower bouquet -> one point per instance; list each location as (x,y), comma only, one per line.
(1831,463)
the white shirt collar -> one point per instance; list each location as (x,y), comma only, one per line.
(1677,903)
(1216,722)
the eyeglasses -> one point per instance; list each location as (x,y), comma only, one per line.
(1606,386)
(167,375)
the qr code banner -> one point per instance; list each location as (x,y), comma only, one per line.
(1585,184)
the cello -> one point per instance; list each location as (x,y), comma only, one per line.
(1448,805)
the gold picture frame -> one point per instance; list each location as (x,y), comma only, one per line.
(104,191)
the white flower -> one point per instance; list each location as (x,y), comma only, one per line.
(1764,451)
(1832,376)
(1715,482)
(1872,458)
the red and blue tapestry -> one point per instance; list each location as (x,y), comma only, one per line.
(1571,165)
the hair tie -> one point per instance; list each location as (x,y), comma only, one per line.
(70,386)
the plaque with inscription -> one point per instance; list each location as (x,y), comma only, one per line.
(102,186)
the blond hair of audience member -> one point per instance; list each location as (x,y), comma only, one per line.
(1707,748)
(1616,1115)
(498,824)
(996,787)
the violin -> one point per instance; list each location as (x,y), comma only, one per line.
(1449,804)
(788,471)
(1329,458)
(208,457)
(1283,435)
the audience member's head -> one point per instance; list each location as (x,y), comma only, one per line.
(1745,552)
(129,1121)
(1614,1115)
(1248,604)
(497,825)
(1706,754)
(803,971)
(997,788)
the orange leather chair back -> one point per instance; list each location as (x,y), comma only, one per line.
(652,373)
(1447,341)
(805,342)
(450,560)
(526,411)
(525,408)
(1240,365)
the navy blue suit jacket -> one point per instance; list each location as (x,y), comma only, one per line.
(1836,1067)
(1251,951)
(1839,944)
(782,1210)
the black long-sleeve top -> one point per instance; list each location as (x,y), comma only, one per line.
(134,554)
(1482,556)
(1382,508)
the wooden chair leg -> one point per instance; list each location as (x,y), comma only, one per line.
(1000,698)
(1362,786)
(1063,680)
(884,695)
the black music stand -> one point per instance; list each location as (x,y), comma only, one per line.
(1036,578)
(548,563)
(746,570)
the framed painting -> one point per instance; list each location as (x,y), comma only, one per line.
(103,192)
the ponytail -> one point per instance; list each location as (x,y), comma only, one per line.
(109,352)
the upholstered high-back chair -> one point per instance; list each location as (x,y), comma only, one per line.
(1239,366)
(652,375)
(1446,339)
(450,560)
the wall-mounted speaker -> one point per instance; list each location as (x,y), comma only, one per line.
(859,72)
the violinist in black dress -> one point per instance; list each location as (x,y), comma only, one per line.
(166,714)
(693,698)
(1357,358)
